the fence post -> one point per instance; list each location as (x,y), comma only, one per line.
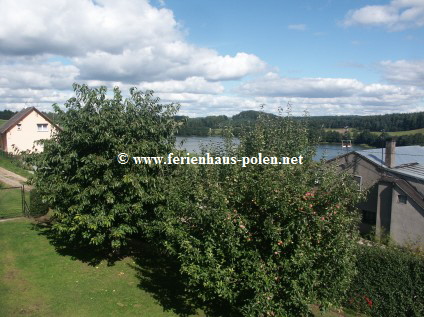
(23,198)
(24,203)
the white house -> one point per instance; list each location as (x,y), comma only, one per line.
(21,131)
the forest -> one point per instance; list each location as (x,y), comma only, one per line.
(370,130)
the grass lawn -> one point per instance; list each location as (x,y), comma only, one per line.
(11,165)
(340,130)
(399,133)
(2,121)
(11,201)
(36,279)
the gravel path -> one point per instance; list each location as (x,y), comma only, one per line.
(9,178)
(12,219)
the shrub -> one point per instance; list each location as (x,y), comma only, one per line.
(390,282)
(95,199)
(37,207)
(263,240)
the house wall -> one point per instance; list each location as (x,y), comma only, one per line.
(369,206)
(384,208)
(370,176)
(404,222)
(356,165)
(24,138)
(407,221)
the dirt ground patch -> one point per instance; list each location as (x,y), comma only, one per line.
(11,179)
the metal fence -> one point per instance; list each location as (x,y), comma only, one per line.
(13,202)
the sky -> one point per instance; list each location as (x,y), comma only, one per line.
(218,57)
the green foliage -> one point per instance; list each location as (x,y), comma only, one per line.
(390,282)
(10,201)
(362,125)
(37,207)
(201,126)
(386,122)
(14,164)
(95,199)
(6,114)
(262,240)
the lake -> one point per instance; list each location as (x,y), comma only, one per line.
(193,145)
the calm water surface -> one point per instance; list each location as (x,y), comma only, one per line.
(193,145)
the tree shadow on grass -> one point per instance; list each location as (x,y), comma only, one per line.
(157,272)
(87,254)
(159,275)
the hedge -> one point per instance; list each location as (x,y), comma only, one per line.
(390,282)
(37,207)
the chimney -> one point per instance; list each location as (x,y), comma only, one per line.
(390,152)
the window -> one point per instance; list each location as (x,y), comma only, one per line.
(358,179)
(19,126)
(369,217)
(402,199)
(42,127)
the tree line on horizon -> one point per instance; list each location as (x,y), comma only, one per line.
(203,126)
(320,126)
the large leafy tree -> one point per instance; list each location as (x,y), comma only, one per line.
(263,240)
(95,199)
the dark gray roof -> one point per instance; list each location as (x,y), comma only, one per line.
(403,155)
(415,170)
(409,160)
(16,119)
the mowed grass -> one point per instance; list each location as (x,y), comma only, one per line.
(400,133)
(340,130)
(397,133)
(11,201)
(37,281)
(12,165)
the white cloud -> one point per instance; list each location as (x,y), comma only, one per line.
(17,99)
(274,85)
(128,40)
(397,15)
(47,45)
(73,28)
(349,94)
(177,61)
(37,75)
(404,72)
(202,105)
(192,85)
(297,27)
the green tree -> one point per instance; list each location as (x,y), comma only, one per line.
(95,199)
(263,240)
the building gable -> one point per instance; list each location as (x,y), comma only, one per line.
(24,129)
